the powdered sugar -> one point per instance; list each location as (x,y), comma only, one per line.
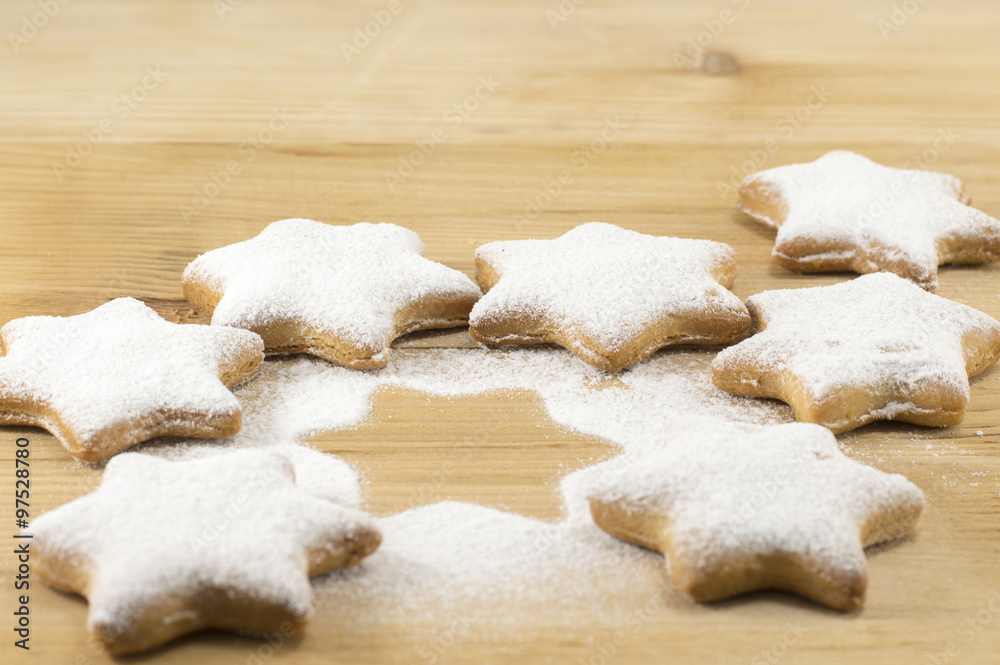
(846,207)
(736,492)
(460,558)
(630,408)
(318,473)
(439,558)
(294,397)
(873,333)
(350,282)
(486,568)
(298,396)
(157,538)
(608,285)
(121,368)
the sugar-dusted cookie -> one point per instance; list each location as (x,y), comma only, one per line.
(165,548)
(105,380)
(845,212)
(738,507)
(342,293)
(875,348)
(609,295)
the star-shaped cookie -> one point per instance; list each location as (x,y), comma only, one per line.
(105,380)
(342,293)
(875,348)
(738,507)
(609,295)
(166,548)
(845,212)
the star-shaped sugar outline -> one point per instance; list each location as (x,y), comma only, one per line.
(354,288)
(738,508)
(664,280)
(230,543)
(878,341)
(846,212)
(117,375)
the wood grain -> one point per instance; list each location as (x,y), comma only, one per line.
(266,91)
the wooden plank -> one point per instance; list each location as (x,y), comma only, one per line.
(265,91)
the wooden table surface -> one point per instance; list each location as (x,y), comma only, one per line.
(135,135)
